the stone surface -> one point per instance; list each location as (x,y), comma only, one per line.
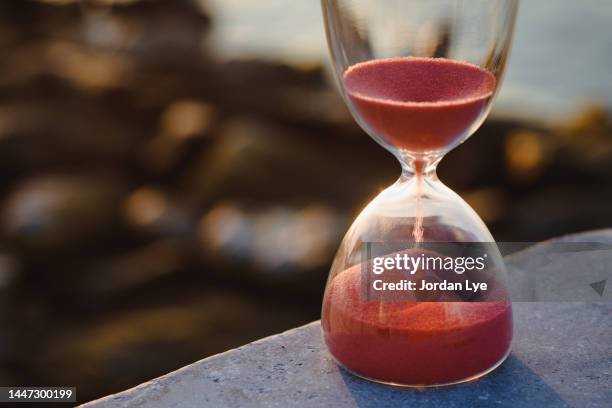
(573,268)
(561,357)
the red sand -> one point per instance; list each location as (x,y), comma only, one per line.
(419,104)
(413,343)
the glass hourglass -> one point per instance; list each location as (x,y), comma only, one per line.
(419,77)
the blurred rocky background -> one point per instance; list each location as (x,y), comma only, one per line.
(170,191)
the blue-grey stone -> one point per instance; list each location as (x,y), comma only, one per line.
(561,357)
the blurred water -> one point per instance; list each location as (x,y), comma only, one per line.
(561,59)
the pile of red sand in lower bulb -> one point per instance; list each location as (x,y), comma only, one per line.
(413,343)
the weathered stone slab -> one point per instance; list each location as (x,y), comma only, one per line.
(562,357)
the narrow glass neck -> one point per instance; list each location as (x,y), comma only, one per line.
(425,168)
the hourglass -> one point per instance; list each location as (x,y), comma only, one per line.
(419,77)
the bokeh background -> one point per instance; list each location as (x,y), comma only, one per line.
(176,175)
